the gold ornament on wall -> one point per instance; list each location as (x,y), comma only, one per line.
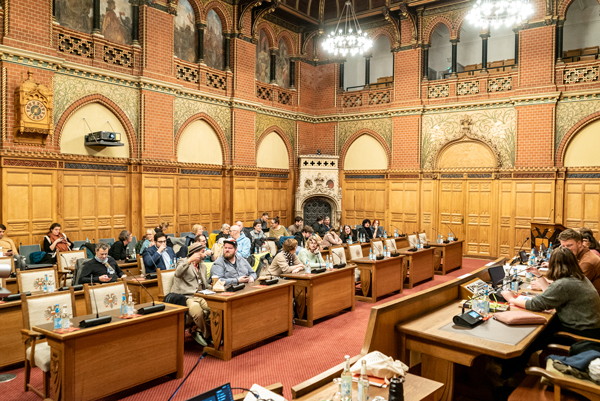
(33,112)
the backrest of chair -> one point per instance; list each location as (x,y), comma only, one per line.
(423,238)
(171,235)
(186,234)
(33,280)
(165,281)
(68,259)
(391,244)
(78,244)
(8,261)
(108,296)
(178,242)
(412,240)
(27,250)
(355,251)
(338,254)
(271,247)
(77,273)
(37,309)
(141,265)
(377,247)
(108,241)
(131,245)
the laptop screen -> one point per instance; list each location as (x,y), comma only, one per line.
(221,393)
(496,275)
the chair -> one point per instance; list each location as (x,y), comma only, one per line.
(108,241)
(377,246)
(509,62)
(27,250)
(77,273)
(412,241)
(9,261)
(463,74)
(212,238)
(141,265)
(355,251)
(423,238)
(338,254)
(33,280)
(78,244)
(37,310)
(590,57)
(471,67)
(271,247)
(165,282)
(131,246)
(65,260)
(108,296)
(171,235)
(186,234)
(178,242)
(391,245)
(590,50)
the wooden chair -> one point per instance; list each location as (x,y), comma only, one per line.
(338,254)
(471,67)
(108,241)
(590,50)
(423,238)
(33,280)
(390,243)
(463,74)
(37,310)
(412,240)
(590,57)
(271,247)
(355,251)
(66,260)
(140,264)
(108,296)
(9,261)
(165,282)
(77,272)
(377,245)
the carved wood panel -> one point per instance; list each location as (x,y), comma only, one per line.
(364,199)
(275,198)
(582,204)
(506,236)
(245,195)
(480,238)
(403,199)
(158,201)
(452,207)
(199,202)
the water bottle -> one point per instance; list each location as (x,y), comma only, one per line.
(123,306)
(549,252)
(451,236)
(50,285)
(307,268)
(263,249)
(66,319)
(486,302)
(384,234)
(57,318)
(130,306)
(384,251)
(1,252)
(370,253)
(327,265)
(87,240)
(45,287)
(389,254)
(349,240)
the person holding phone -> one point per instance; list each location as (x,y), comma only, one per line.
(55,241)
(102,268)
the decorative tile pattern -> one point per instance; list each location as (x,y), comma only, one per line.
(365,177)
(578,75)
(404,176)
(200,172)
(87,166)
(504,176)
(218,81)
(271,175)
(380,97)
(452,176)
(583,175)
(285,97)
(352,100)
(383,126)
(479,175)
(263,122)
(500,84)
(246,174)
(533,175)
(264,92)
(467,88)
(151,169)
(437,91)
(116,56)
(569,113)
(186,74)
(185,108)
(495,127)
(76,46)
(29,163)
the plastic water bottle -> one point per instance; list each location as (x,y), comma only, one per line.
(50,285)
(384,251)
(451,236)
(370,253)
(263,249)
(549,252)
(307,268)
(66,319)
(327,265)
(130,305)
(384,234)
(87,240)
(57,318)
(389,254)
(45,287)
(123,306)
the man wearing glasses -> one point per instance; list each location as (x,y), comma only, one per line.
(159,256)
(102,268)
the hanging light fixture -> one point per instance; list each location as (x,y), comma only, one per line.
(495,13)
(347,36)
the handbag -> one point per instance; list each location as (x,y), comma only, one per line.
(380,365)
(519,317)
(36,257)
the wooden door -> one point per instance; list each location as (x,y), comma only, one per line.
(479,235)
(452,208)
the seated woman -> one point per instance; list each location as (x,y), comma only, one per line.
(376,230)
(589,241)
(330,239)
(311,254)
(118,250)
(224,232)
(55,241)
(365,230)
(347,235)
(146,243)
(575,299)
(284,262)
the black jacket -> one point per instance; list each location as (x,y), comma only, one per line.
(92,269)
(118,251)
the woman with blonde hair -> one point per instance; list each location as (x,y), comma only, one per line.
(311,254)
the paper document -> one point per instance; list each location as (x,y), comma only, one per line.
(263,393)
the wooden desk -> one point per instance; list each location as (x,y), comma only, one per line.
(133,266)
(323,294)
(249,316)
(379,277)
(11,285)
(416,388)
(451,253)
(440,350)
(420,265)
(137,292)
(99,361)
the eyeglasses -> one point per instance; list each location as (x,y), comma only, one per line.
(161,242)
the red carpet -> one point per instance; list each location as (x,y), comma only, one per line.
(289,360)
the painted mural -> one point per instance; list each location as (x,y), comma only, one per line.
(186,37)
(75,14)
(115,21)
(263,60)
(282,72)
(213,41)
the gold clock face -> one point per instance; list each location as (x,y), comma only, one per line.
(35,110)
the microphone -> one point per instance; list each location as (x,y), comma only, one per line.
(97,321)
(188,375)
(452,231)
(148,309)
(519,251)
(550,215)
(400,234)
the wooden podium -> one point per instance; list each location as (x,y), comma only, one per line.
(544,233)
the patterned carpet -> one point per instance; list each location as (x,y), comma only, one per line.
(289,360)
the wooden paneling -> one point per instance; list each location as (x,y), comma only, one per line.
(582,204)
(506,235)
(533,201)
(245,200)
(402,200)
(95,204)
(158,200)
(429,202)
(199,202)
(274,197)
(364,199)
(480,236)
(452,207)
(29,203)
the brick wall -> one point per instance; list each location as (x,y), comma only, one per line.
(534,136)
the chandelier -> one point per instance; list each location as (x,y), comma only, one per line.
(499,12)
(347,36)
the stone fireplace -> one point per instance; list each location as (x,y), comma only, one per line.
(319,191)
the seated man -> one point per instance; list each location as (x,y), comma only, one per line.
(302,236)
(230,268)
(102,268)
(318,227)
(297,226)
(264,220)
(9,249)
(190,277)
(159,255)
(118,250)
(588,262)
(243,242)
(208,253)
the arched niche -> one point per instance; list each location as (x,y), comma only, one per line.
(272,153)
(199,143)
(466,154)
(98,118)
(583,148)
(366,153)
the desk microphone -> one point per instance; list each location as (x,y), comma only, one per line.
(148,309)
(550,215)
(188,375)
(97,321)
(519,251)
(452,231)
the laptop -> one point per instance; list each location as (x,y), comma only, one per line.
(221,393)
